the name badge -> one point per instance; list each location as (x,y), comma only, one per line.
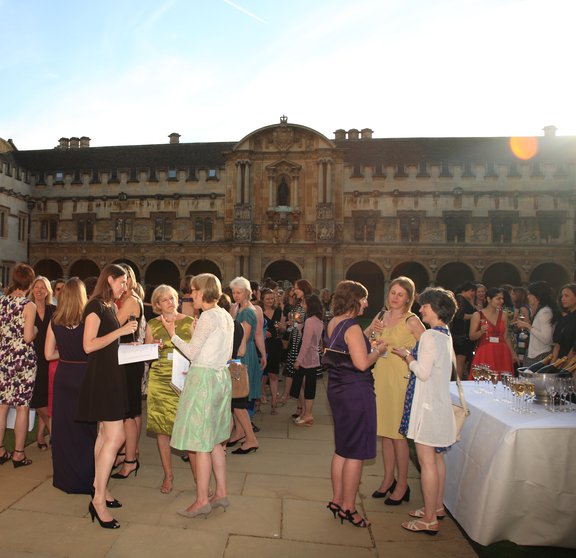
(494,339)
(170,355)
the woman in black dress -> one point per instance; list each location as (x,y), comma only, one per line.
(131,307)
(103,397)
(348,359)
(72,442)
(41,295)
(272,318)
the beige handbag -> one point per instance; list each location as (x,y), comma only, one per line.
(460,411)
(239,377)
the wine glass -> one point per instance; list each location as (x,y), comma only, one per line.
(562,392)
(520,391)
(475,371)
(551,391)
(505,378)
(494,379)
(530,394)
(571,392)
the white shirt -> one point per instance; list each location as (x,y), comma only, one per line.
(431,419)
(211,343)
(541,333)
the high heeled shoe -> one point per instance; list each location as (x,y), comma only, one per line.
(349,516)
(109,503)
(112,524)
(405,498)
(118,463)
(202,510)
(232,443)
(334,508)
(241,451)
(135,470)
(220,503)
(6,456)
(20,462)
(391,488)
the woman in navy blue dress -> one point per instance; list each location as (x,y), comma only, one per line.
(348,360)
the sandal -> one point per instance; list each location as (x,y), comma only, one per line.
(417,526)
(118,463)
(349,516)
(334,508)
(420,513)
(166,487)
(6,456)
(21,462)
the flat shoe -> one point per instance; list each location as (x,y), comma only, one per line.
(232,443)
(420,513)
(42,447)
(241,451)
(417,526)
(301,422)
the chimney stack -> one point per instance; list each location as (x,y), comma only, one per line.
(74,143)
(63,143)
(174,137)
(84,142)
(340,134)
(550,131)
(366,133)
(353,134)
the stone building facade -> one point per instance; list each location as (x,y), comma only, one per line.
(288,202)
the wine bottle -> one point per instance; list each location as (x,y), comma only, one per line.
(554,367)
(537,365)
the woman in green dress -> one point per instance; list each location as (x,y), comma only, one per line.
(162,400)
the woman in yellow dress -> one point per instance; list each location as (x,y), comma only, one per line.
(398,327)
(162,400)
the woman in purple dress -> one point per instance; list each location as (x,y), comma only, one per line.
(72,442)
(348,359)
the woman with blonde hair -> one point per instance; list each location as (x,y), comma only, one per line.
(103,395)
(162,400)
(41,295)
(131,307)
(397,326)
(203,418)
(17,361)
(72,442)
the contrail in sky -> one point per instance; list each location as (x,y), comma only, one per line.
(245,11)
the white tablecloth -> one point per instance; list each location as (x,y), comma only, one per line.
(513,477)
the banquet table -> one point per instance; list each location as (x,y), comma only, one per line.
(513,476)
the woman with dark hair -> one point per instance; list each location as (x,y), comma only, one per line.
(545,314)
(186,304)
(565,331)
(103,396)
(41,295)
(302,289)
(348,359)
(428,418)
(131,307)
(17,361)
(72,442)
(308,359)
(489,327)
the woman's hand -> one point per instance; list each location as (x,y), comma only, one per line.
(169,326)
(381,346)
(401,352)
(376,325)
(522,324)
(129,327)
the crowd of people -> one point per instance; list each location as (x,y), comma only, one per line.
(389,380)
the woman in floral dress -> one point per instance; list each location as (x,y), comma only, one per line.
(17,361)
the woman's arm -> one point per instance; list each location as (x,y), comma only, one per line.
(50,351)
(476,330)
(247,328)
(541,328)
(427,355)
(201,333)
(361,358)
(130,307)
(310,339)
(93,343)
(30,330)
(416,327)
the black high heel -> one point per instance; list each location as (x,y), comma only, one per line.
(109,503)
(135,470)
(349,516)
(112,524)
(391,488)
(6,456)
(22,462)
(405,498)
(334,508)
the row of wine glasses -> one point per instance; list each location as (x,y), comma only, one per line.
(561,392)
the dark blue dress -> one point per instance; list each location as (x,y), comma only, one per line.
(351,397)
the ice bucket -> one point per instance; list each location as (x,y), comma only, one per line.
(540,381)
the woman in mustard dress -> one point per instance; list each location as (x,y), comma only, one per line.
(398,327)
(162,400)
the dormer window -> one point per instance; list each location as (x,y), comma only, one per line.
(58,176)
(212,174)
(172,174)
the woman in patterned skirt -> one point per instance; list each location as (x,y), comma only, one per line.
(203,418)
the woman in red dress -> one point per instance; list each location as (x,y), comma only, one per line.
(489,327)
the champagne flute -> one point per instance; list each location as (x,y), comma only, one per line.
(520,389)
(530,394)
(494,380)
(551,391)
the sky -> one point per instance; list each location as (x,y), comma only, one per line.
(130,72)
